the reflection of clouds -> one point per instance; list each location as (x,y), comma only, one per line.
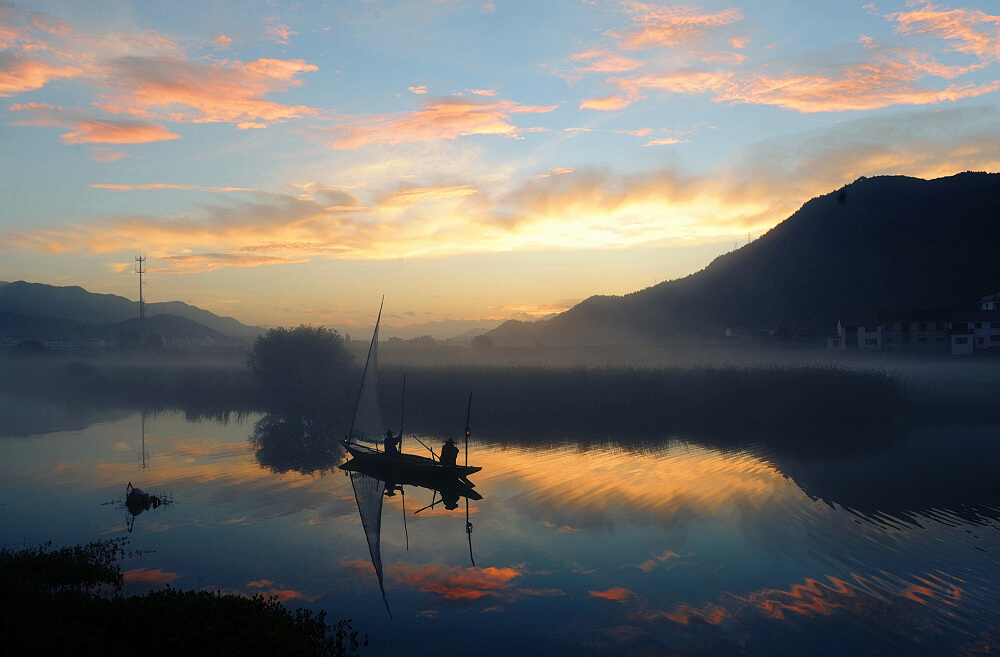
(599,488)
(615,594)
(652,564)
(149,577)
(455,583)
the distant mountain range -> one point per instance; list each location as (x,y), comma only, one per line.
(889,243)
(39,311)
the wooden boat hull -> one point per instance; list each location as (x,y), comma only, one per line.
(387,469)
(408,463)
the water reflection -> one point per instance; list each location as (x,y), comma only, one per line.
(292,441)
(669,546)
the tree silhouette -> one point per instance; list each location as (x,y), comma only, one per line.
(301,368)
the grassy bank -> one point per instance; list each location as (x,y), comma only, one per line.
(68,601)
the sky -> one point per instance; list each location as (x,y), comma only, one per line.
(288,163)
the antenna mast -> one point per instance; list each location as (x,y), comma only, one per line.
(140,262)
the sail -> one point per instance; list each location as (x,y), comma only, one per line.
(368,494)
(368,426)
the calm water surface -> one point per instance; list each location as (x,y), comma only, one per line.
(677,547)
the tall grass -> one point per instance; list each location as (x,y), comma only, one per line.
(626,401)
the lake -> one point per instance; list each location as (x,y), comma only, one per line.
(670,545)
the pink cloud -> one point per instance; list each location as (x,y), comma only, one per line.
(967,30)
(169,87)
(87,130)
(441,118)
(602,61)
(658,27)
(19,73)
(102,154)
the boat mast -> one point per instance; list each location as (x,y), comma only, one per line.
(372,346)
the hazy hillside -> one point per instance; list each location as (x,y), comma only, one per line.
(886,243)
(170,327)
(74,304)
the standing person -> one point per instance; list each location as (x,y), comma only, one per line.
(449,453)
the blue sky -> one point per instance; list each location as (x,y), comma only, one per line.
(292,162)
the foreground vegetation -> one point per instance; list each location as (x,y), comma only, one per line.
(68,601)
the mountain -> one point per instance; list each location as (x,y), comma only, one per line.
(890,243)
(75,304)
(172,328)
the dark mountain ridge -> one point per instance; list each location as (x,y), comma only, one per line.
(890,243)
(73,304)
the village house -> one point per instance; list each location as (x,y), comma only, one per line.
(960,334)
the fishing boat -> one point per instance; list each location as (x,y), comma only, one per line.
(376,474)
(368,433)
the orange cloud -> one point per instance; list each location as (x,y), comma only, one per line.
(615,594)
(422,89)
(19,73)
(455,583)
(968,31)
(484,92)
(659,27)
(859,87)
(102,154)
(87,130)
(202,262)
(443,118)
(174,88)
(412,195)
(602,61)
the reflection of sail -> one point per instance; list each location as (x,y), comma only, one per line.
(367,426)
(368,493)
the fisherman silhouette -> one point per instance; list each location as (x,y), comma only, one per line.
(391,443)
(449,453)
(450,499)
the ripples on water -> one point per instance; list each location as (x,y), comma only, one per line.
(670,548)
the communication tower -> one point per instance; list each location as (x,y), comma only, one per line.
(140,268)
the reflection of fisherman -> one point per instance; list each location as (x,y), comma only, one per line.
(391,443)
(449,453)
(450,499)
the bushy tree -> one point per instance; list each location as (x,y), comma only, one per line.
(301,368)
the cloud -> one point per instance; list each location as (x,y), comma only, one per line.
(88,130)
(422,89)
(659,27)
(586,208)
(966,31)
(20,73)
(866,76)
(440,118)
(103,154)
(873,84)
(603,61)
(279,33)
(169,87)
